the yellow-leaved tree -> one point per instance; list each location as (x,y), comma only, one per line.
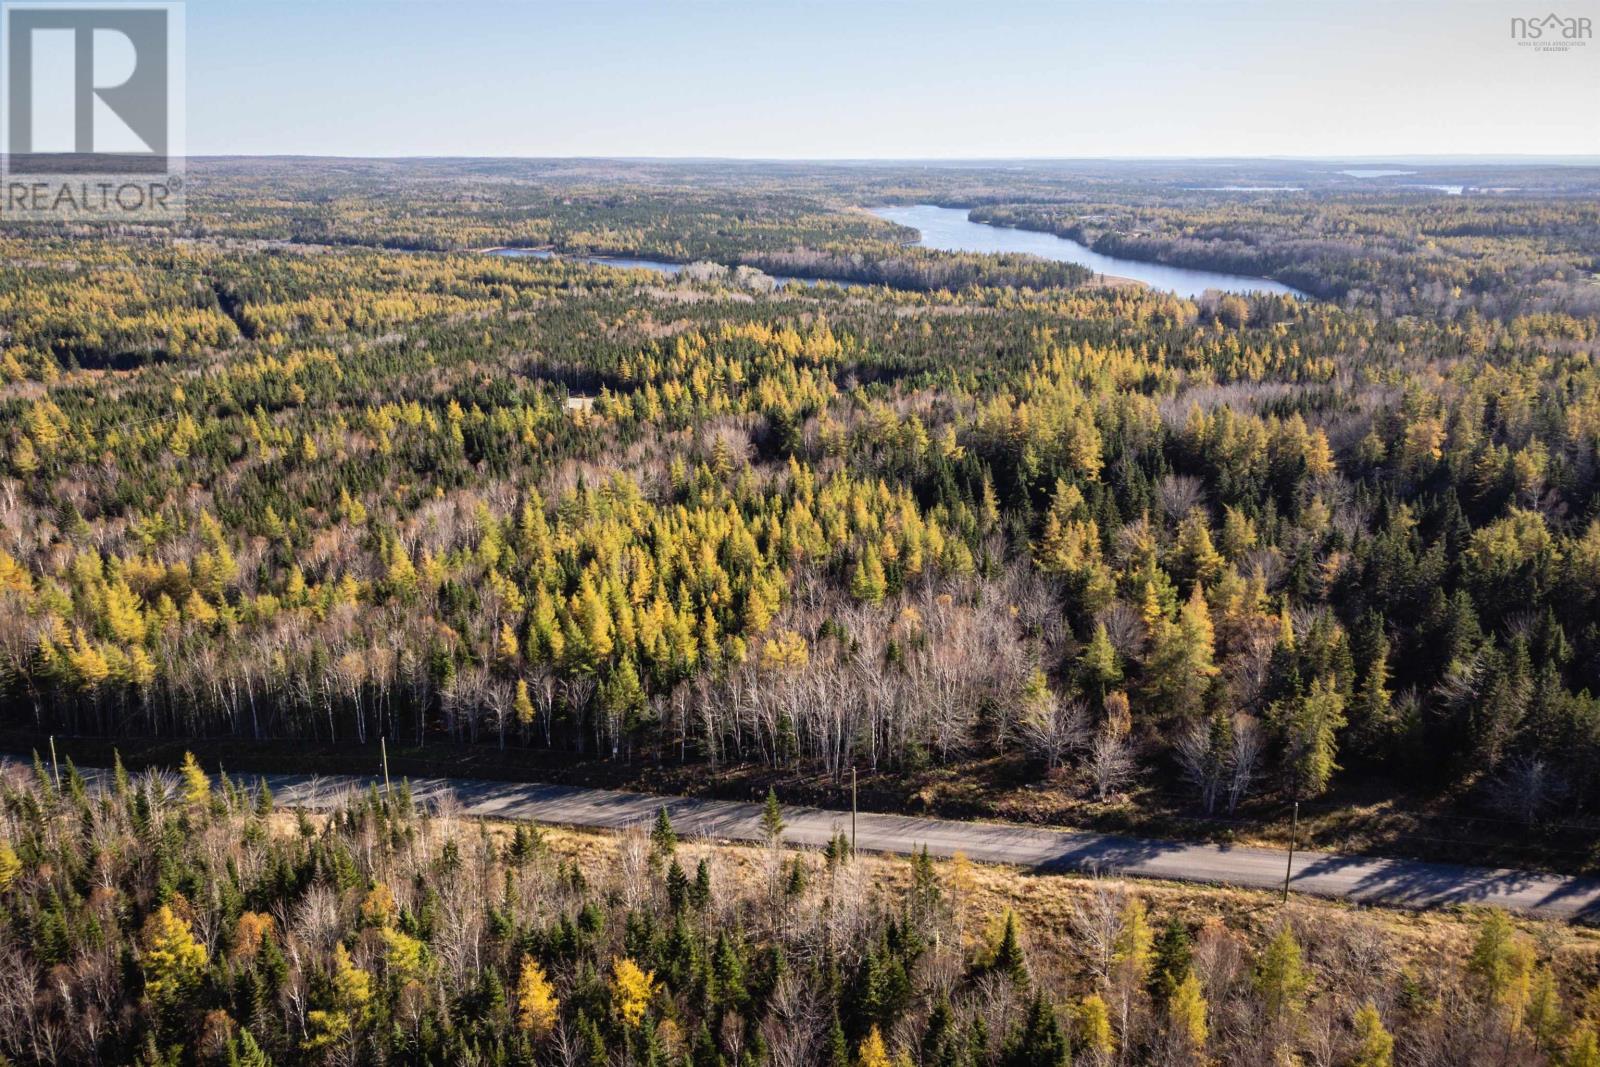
(537,1006)
(378,907)
(1188,1011)
(872,1052)
(173,958)
(631,990)
(1094,1027)
(196,784)
(10,866)
(352,1000)
(1374,1045)
(524,704)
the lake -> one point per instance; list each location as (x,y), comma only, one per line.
(948,229)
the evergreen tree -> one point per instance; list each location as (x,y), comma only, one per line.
(1374,1045)
(1039,1042)
(1101,668)
(1310,726)
(663,838)
(772,818)
(1186,1012)
(1171,960)
(1094,1034)
(1280,977)
(1009,957)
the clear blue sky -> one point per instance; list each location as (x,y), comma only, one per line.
(868,78)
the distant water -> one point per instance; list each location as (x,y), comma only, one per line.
(1375,172)
(620,262)
(950,230)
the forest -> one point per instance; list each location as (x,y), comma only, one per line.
(313,469)
(1502,256)
(157,921)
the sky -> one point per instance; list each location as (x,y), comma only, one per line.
(882,79)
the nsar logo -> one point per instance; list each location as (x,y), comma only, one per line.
(1552,32)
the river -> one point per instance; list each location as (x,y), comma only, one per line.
(949,229)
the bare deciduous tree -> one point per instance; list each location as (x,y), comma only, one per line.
(1097,921)
(1525,789)
(1202,765)
(1110,762)
(1056,729)
(1244,762)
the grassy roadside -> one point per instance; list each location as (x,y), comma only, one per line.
(995,789)
(1045,904)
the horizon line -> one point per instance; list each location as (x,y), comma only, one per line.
(1538,158)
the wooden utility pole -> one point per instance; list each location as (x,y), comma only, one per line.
(54,766)
(383,746)
(852,810)
(1294,832)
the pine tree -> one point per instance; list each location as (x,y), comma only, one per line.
(244,1051)
(1101,667)
(1039,1042)
(838,1047)
(663,838)
(796,885)
(10,866)
(523,704)
(1171,960)
(727,966)
(1131,950)
(173,959)
(940,1032)
(1197,559)
(1093,1028)
(196,784)
(872,1052)
(1009,957)
(1280,977)
(1373,709)
(1186,1011)
(700,892)
(771,818)
(1311,737)
(1501,965)
(1181,662)
(869,583)
(1583,1047)
(1374,1045)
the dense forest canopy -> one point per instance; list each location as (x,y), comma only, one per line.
(312,468)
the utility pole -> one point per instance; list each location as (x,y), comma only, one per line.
(383,746)
(852,810)
(1294,832)
(54,766)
